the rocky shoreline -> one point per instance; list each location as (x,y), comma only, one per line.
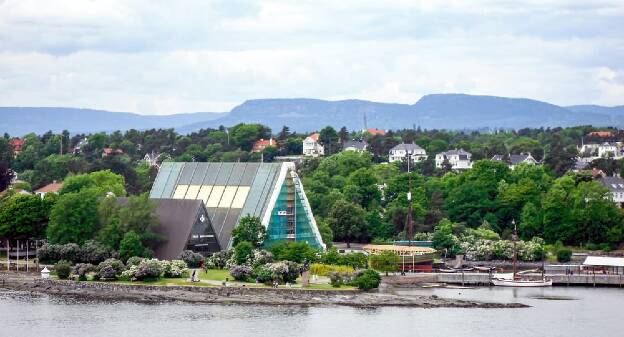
(230,295)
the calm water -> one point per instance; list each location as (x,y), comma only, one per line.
(565,312)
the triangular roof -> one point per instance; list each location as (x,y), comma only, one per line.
(50,188)
(315,136)
(229,190)
(407,147)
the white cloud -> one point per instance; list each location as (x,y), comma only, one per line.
(166,57)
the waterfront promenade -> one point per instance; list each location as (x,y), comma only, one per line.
(473,279)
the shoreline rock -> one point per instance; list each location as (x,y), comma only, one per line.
(152,294)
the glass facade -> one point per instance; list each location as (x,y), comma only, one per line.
(291,218)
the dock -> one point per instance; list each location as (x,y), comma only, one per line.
(483,279)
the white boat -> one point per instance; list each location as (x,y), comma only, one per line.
(516,279)
(502,282)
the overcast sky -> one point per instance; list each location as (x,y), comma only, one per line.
(160,57)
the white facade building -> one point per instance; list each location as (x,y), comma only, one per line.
(312,147)
(616,186)
(458,159)
(593,151)
(355,145)
(403,151)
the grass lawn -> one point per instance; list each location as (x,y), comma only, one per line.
(214,277)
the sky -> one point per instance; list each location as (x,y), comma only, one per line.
(163,57)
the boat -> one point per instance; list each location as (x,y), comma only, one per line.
(545,282)
(517,279)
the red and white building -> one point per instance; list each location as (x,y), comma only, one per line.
(312,146)
(262,144)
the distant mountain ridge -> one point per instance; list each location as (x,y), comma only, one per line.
(441,111)
(23,120)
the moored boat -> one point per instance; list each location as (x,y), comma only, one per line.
(516,279)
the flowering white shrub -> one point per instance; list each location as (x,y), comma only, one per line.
(174,268)
(484,250)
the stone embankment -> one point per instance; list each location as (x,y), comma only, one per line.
(231,295)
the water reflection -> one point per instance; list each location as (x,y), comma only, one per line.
(568,312)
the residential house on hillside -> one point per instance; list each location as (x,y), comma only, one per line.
(591,151)
(514,160)
(82,143)
(54,187)
(17,144)
(616,186)
(262,144)
(107,151)
(403,151)
(458,159)
(312,146)
(375,132)
(355,145)
(601,134)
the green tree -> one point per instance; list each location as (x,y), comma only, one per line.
(385,262)
(74,218)
(244,135)
(249,229)
(139,215)
(101,181)
(243,252)
(131,246)
(329,138)
(24,216)
(347,221)
(296,251)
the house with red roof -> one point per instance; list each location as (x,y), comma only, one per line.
(312,146)
(54,187)
(107,151)
(375,132)
(17,144)
(262,144)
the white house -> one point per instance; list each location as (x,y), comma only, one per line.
(616,186)
(312,147)
(355,145)
(458,159)
(593,151)
(516,159)
(403,151)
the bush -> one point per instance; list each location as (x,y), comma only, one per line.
(109,269)
(336,279)
(367,279)
(91,252)
(62,269)
(107,273)
(82,269)
(294,251)
(284,271)
(262,257)
(325,270)
(130,246)
(294,270)
(94,252)
(564,255)
(220,259)
(148,270)
(49,253)
(134,261)
(243,253)
(241,272)
(70,252)
(174,268)
(263,275)
(192,259)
